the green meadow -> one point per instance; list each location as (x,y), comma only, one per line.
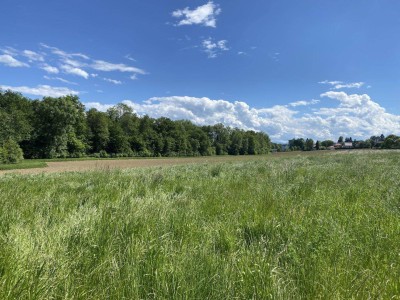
(280,227)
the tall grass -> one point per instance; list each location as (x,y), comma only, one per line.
(300,227)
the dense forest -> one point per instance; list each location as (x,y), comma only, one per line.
(62,127)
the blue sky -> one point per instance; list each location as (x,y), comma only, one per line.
(315,69)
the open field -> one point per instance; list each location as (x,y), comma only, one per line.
(36,166)
(79,165)
(274,227)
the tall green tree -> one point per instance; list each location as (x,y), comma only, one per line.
(220,136)
(327,143)
(236,142)
(15,117)
(391,142)
(309,144)
(99,133)
(118,142)
(297,144)
(57,120)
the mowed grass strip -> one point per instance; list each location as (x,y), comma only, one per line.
(300,227)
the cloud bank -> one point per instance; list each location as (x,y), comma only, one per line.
(355,115)
(41,90)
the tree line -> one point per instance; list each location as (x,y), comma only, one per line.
(61,127)
(391,141)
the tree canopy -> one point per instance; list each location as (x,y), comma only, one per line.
(61,127)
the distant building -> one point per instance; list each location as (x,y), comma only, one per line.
(347,145)
(337,145)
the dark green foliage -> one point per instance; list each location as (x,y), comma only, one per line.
(60,127)
(11,152)
(363,144)
(309,145)
(59,123)
(391,142)
(327,143)
(118,142)
(99,133)
(376,141)
(15,117)
(297,144)
(276,147)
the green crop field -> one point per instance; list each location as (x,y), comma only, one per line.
(281,227)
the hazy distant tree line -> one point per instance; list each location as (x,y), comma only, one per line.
(374,142)
(61,127)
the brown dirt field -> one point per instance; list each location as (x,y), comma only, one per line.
(108,164)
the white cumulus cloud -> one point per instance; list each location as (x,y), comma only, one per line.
(97,105)
(359,115)
(41,90)
(352,115)
(203,15)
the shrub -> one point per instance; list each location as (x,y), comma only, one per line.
(103,154)
(11,152)
(145,153)
(77,155)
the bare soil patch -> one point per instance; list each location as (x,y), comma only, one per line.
(109,164)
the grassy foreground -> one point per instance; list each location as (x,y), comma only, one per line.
(299,227)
